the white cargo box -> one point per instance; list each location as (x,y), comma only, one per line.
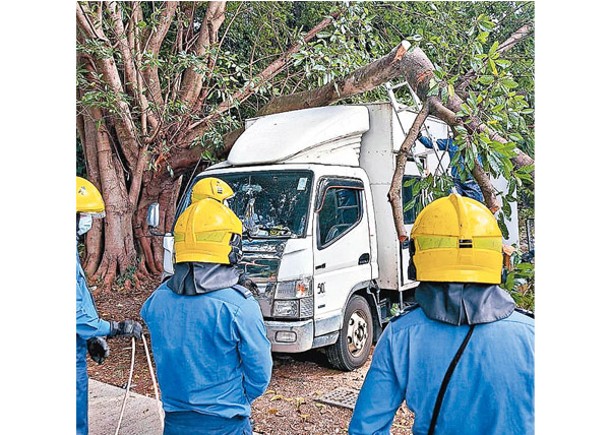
(325,135)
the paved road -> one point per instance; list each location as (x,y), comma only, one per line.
(140,417)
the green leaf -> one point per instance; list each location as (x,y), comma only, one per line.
(491,63)
(503,63)
(509,83)
(482,37)
(493,49)
(451,90)
(486,79)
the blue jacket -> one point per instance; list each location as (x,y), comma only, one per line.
(468,187)
(88,324)
(491,390)
(446,145)
(210,350)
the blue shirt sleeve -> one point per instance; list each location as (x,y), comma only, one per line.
(443,144)
(381,394)
(446,145)
(88,322)
(254,349)
(426,142)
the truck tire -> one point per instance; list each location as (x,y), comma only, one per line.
(352,349)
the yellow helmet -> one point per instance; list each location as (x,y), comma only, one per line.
(456,239)
(211,187)
(88,198)
(208,232)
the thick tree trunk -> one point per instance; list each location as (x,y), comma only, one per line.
(122,142)
(164,191)
(361,80)
(119,249)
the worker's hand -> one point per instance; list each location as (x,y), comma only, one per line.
(248,284)
(98,349)
(126,328)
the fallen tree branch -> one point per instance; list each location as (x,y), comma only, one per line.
(395,190)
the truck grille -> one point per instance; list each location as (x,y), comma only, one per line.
(306,307)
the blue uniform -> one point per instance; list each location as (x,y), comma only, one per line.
(467,187)
(212,357)
(88,324)
(491,390)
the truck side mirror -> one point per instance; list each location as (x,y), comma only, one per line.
(153,215)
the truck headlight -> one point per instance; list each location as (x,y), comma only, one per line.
(294,308)
(295,289)
(285,308)
(293,298)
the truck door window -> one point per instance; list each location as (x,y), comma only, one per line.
(341,211)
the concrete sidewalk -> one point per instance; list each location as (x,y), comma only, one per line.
(141,415)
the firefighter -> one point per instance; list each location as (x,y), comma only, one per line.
(90,328)
(463,358)
(467,187)
(211,187)
(208,336)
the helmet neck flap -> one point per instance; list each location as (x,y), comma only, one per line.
(464,303)
(199,278)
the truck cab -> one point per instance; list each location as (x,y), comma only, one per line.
(318,235)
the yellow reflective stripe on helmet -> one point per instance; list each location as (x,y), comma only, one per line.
(436,242)
(179,237)
(443,242)
(492,244)
(210,236)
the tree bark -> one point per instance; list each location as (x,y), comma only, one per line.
(361,80)
(208,34)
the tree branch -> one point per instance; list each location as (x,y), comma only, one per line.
(419,74)
(395,190)
(125,127)
(267,74)
(155,39)
(126,47)
(361,80)
(208,34)
(514,39)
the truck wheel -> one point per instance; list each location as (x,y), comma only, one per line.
(355,340)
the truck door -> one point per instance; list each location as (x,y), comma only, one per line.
(342,248)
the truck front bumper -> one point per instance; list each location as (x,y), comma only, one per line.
(290,337)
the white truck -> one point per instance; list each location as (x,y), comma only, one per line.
(319,239)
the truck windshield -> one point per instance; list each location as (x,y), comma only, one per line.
(271,203)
